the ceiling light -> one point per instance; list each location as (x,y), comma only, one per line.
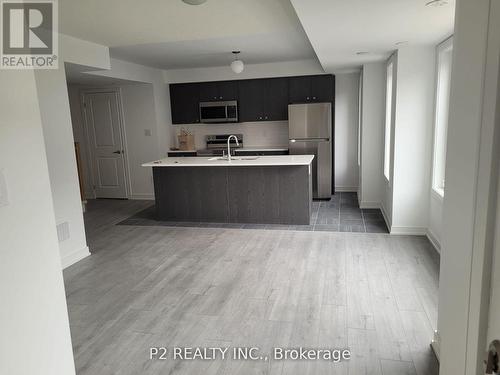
(237,65)
(436,3)
(194,2)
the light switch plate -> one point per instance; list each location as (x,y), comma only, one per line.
(147,132)
(4,197)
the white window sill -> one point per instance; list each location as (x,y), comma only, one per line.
(438,192)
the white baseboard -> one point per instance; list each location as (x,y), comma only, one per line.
(386,218)
(142,197)
(411,231)
(346,189)
(433,240)
(369,205)
(74,257)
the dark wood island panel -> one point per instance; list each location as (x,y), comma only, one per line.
(247,194)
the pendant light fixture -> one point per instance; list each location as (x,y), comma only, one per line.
(237,65)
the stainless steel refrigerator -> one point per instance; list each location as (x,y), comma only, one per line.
(310,133)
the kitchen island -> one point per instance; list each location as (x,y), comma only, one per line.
(263,190)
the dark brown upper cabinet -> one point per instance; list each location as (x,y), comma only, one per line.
(322,88)
(217,91)
(185,101)
(250,102)
(276,99)
(263,99)
(306,89)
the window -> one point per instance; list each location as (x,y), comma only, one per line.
(360,115)
(444,52)
(388,120)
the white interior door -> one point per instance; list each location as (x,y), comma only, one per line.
(105,143)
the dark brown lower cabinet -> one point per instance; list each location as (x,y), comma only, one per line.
(251,194)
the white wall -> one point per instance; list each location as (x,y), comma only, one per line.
(346,131)
(139,115)
(77,51)
(372,135)
(58,134)
(411,153)
(139,73)
(220,73)
(35,335)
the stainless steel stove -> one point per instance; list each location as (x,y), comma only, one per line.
(217,144)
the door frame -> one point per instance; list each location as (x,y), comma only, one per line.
(84,92)
(469,210)
(485,209)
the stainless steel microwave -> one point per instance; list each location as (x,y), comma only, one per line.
(219,112)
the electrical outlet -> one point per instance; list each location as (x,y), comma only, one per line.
(4,197)
(147,132)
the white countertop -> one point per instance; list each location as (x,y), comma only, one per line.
(250,148)
(263,148)
(237,161)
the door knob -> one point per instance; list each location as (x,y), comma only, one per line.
(117,152)
(492,362)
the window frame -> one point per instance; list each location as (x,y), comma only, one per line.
(443,51)
(389,118)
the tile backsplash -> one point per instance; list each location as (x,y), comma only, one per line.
(264,133)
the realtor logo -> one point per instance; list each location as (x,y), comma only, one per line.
(29,34)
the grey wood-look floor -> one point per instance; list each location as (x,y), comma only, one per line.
(375,294)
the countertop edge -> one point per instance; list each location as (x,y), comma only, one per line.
(262,161)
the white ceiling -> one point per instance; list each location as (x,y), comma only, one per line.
(77,74)
(338,29)
(171,34)
(255,49)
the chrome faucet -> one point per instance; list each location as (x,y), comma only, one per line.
(229,145)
